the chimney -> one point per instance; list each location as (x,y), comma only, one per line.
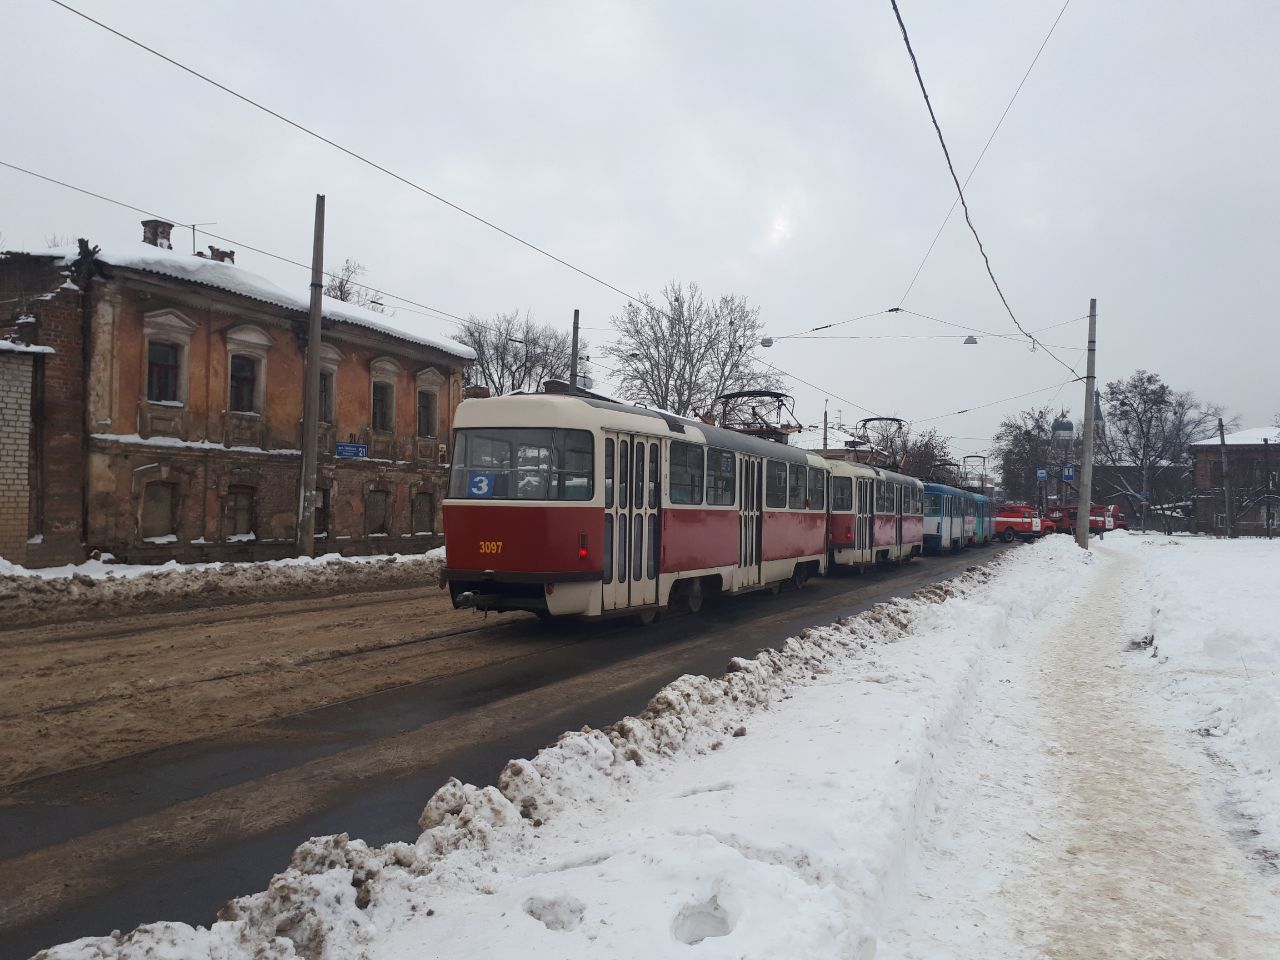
(156,233)
(221,256)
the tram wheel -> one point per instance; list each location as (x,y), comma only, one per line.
(800,577)
(692,596)
(646,618)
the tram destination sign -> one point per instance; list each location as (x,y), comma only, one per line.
(351,451)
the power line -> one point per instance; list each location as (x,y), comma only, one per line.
(915,64)
(983,153)
(983,406)
(838,323)
(348,151)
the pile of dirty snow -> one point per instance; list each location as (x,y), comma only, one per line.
(96,588)
(760,814)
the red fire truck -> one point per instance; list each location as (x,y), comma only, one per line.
(1013,520)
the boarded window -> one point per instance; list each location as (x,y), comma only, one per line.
(721,479)
(775,485)
(244,384)
(159,513)
(383,406)
(686,472)
(377,512)
(797,484)
(426,413)
(237,511)
(424,513)
(842,493)
(164,365)
(326,396)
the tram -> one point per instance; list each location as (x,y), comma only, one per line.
(578,506)
(876,515)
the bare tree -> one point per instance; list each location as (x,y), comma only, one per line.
(1023,443)
(343,285)
(1149,427)
(516,353)
(55,240)
(683,351)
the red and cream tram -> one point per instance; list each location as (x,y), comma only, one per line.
(577,506)
(876,515)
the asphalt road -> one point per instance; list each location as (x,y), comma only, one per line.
(174,833)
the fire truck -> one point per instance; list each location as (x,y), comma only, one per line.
(1014,520)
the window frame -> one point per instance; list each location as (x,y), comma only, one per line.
(797,494)
(679,454)
(388,407)
(838,494)
(816,494)
(718,483)
(775,496)
(252,343)
(169,326)
(255,385)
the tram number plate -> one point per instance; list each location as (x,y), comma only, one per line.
(490,546)
(480,484)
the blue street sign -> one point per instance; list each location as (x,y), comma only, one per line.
(1042,474)
(1068,473)
(350,451)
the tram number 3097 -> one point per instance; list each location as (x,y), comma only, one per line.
(490,546)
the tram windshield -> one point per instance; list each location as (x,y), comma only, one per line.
(521,463)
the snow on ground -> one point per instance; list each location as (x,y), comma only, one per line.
(98,587)
(982,771)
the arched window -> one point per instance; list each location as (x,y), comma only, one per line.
(383,372)
(247,348)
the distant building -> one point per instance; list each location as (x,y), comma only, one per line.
(163,411)
(1250,461)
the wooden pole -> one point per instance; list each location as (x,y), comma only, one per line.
(1084,502)
(311,395)
(573,358)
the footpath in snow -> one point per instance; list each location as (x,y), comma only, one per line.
(998,767)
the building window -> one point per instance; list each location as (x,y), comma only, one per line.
(322,512)
(237,512)
(326,396)
(383,406)
(244,384)
(424,513)
(159,514)
(164,367)
(426,413)
(377,513)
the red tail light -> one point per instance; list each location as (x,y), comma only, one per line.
(582,546)
(848,534)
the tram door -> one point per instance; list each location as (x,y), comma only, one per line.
(899,495)
(632,469)
(750,519)
(866,505)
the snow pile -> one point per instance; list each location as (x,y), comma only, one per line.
(764,813)
(1215,640)
(97,588)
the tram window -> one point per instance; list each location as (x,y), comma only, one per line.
(637,547)
(624,473)
(720,477)
(638,487)
(623,529)
(932,504)
(775,484)
(608,548)
(797,484)
(842,493)
(608,472)
(817,486)
(651,570)
(523,463)
(653,476)
(686,472)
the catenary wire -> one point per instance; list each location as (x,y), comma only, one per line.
(349,152)
(983,406)
(974,169)
(915,64)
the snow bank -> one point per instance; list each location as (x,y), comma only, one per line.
(1215,642)
(764,813)
(96,588)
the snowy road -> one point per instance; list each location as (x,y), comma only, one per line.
(175,832)
(1078,817)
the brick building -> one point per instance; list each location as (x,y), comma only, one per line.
(165,397)
(1250,461)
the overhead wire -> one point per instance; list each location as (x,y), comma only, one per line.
(992,403)
(974,169)
(964,204)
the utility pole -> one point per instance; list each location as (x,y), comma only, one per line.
(573,358)
(1266,472)
(1084,502)
(1226,481)
(311,395)
(824,424)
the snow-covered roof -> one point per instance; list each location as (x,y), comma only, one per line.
(10,346)
(227,276)
(1251,437)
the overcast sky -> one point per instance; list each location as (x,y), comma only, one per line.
(779,151)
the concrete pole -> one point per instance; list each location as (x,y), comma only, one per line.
(311,395)
(1084,503)
(1226,481)
(1266,473)
(573,358)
